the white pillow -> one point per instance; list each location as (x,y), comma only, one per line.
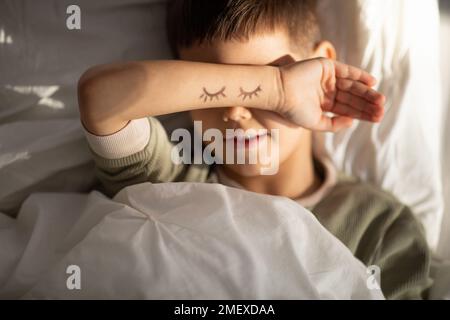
(45,59)
(42,147)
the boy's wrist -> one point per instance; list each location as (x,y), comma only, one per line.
(279,97)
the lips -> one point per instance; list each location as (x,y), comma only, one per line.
(248,139)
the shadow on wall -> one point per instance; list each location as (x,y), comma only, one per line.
(445,5)
(445,52)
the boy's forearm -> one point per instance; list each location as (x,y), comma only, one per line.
(112,95)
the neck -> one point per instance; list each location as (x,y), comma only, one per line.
(296,178)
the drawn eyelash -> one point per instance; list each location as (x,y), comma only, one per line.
(211,96)
(244,94)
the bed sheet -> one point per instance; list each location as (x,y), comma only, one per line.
(166,242)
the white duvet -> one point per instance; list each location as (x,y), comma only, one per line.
(175,241)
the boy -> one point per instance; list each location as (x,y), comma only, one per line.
(257,65)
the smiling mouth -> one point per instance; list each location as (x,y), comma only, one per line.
(247,140)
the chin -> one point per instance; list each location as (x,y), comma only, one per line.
(246,170)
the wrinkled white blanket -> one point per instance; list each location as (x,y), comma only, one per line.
(174,241)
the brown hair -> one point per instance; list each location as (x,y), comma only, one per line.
(191,22)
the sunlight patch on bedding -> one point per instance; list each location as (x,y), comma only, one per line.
(4,37)
(9,158)
(43,92)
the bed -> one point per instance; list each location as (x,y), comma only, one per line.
(51,217)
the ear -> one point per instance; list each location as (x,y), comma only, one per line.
(325,49)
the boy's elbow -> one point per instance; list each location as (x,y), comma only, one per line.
(104,93)
(89,97)
(110,81)
(86,90)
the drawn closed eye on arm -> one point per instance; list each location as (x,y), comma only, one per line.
(244,94)
(211,96)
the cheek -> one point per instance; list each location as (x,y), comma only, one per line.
(289,141)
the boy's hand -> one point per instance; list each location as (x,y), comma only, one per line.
(314,87)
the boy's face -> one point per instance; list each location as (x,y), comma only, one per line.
(267,49)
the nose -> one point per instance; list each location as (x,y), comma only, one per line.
(236,114)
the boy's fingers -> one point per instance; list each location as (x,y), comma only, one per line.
(334,124)
(348,72)
(361,90)
(343,109)
(358,103)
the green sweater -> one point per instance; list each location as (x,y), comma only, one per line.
(377,228)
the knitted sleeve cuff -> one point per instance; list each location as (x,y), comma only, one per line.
(132,139)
